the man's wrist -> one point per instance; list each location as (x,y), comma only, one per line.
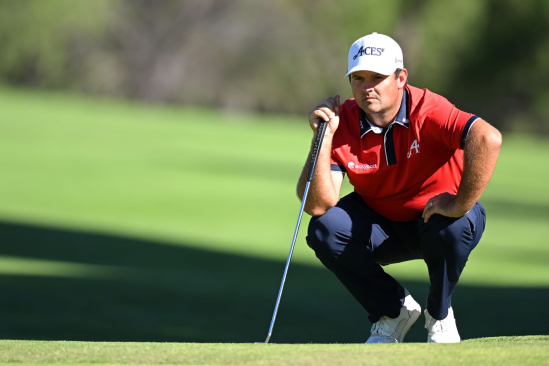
(463,205)
(328,135)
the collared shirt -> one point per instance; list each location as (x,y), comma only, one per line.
(397,169)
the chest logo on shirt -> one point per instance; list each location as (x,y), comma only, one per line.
(352,166)
(415,146)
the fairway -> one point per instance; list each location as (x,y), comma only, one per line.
(124,222)
(489,351)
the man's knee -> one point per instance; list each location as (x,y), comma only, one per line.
(321,231)
(446,237)
(439,230)
(329,234)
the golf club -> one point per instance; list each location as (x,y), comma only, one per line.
(312,165)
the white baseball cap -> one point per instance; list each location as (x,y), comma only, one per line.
(375,52)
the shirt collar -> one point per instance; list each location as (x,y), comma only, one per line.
(401,118)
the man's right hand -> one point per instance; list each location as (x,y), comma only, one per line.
(328,111)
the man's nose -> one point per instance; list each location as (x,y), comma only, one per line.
(368,86)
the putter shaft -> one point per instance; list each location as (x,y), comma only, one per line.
(312,165)
(288,261)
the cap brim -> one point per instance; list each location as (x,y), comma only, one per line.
(380,69)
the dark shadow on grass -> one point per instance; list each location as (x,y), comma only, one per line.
(140,290)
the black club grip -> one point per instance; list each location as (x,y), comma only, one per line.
(316,149)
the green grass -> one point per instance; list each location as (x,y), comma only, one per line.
(150,172)
(489,351)
(225,182)
(124,222)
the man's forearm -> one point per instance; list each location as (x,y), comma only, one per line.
(480,154)
(323,193)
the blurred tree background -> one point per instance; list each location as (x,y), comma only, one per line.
(488,57)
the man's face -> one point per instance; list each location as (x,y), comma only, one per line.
(376,93)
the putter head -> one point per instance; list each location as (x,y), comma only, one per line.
(260,343)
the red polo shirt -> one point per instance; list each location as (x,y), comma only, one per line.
(398,168)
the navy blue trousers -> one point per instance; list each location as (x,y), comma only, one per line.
(353,241)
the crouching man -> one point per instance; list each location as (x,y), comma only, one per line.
(418,166)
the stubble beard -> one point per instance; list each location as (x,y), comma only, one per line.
(372,108)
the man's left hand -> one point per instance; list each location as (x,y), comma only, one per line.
(444,204)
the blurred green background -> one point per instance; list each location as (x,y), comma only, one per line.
(149,152)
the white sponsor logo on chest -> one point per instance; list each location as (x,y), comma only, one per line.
(352,166)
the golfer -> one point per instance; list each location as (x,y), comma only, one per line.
(418,166)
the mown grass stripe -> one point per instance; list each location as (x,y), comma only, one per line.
(530,350)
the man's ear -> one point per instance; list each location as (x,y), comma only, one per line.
(402,78)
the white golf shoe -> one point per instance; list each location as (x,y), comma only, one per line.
(389,330)
(442,331)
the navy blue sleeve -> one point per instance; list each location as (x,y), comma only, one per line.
(338,168)
(465,132)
